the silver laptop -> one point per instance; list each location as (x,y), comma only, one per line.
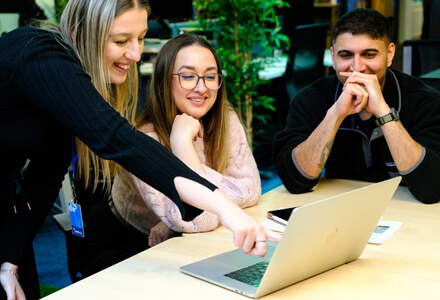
(319,236)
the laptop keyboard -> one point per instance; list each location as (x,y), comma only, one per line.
(252,274)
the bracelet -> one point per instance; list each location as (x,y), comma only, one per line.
(9,271)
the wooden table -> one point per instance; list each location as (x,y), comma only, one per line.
(406,266)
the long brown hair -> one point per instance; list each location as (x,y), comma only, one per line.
(161,110)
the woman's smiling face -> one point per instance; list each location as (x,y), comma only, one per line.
(125,43)
(198,101)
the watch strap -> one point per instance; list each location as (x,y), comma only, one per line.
(392,116)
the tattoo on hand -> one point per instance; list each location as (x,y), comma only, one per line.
(324,154)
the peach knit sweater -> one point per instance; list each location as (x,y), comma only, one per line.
(142,206)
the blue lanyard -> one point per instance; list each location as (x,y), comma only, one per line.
(74,156)
(74,161)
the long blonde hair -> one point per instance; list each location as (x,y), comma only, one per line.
(85,26)
(161,108)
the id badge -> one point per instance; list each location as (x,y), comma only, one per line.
(76,219)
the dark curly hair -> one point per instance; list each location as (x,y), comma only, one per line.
(363,21)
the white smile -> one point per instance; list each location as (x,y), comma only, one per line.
(196,99)
(125,67)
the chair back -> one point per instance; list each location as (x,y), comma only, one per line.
(421,57)
(433,82)
(306,56)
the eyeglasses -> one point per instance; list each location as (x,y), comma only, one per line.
(189,81)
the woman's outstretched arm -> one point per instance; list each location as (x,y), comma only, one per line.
(246,230)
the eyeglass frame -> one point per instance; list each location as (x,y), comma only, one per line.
(198,79)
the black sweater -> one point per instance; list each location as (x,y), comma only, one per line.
(46,98)
(359,150)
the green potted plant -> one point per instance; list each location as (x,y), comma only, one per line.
(59,7)
(246,33)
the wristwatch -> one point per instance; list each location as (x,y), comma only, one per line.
(392,116)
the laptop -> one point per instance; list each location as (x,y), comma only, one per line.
(319,236)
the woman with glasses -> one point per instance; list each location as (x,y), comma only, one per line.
(188,112)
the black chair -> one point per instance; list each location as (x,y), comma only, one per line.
(306,56)
(433,82)
(305,65)
(421,57)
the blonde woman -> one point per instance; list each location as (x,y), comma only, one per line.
(65,82)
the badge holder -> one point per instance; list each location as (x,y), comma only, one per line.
(75,209)
(76,216)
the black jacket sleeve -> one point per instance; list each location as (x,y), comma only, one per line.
(52,80)
(420,115)
(43,78)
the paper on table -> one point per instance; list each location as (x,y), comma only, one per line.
(272,225)
(383,231)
